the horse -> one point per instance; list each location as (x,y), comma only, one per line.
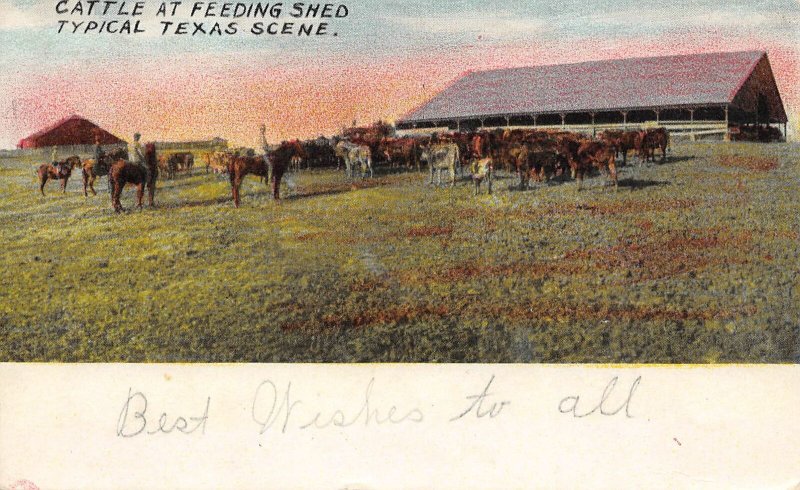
(271,166)
(92,169)
(123,172)
(61,171)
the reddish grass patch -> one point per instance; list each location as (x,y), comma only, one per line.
(758,164)
(669,254)
(428,231)
(551,309)
(310,236)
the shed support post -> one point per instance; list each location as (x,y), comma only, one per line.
(624,120)
(458,125)
(482,123)
(508,123)
(785,134)
(563,120)
(658,117)
(534,120)
(691,125)
(727,136)
(594,130)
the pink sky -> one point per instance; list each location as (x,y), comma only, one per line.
(210,95)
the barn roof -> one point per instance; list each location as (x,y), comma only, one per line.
(71,130)
(632,83)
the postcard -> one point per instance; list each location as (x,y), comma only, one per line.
(382,244)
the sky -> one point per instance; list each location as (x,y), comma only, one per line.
(380,61)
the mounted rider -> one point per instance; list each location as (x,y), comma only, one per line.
(100,163)
(137,154)
(59,166)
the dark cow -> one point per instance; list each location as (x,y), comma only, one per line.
(179,162)
(622,141)
(651,140)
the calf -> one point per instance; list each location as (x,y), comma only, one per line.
(482,169)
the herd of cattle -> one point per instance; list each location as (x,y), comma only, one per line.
(531,154)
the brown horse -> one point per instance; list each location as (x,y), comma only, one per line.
(92,169)
(272,166)
(61,171)
(123,172)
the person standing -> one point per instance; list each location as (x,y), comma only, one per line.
(265,149)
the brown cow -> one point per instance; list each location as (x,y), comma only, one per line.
(400,151)
(652,139)
(596,154)
(584,155)
(622,141)
(61,171)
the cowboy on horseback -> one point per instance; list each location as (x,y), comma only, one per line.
(100,165)
(59,166)
(137,154)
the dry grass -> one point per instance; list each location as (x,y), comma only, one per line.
(696,260)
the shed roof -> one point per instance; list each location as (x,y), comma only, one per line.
(71,130)
(631,83)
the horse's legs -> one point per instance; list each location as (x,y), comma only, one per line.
(42,182)
(64,184)
(118,186)
(234,178)
(85,182)
(139,194)
(276,186)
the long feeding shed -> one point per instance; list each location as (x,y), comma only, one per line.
(71,131)
(697,94)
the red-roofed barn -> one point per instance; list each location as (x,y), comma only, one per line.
(71,131)
(698,94)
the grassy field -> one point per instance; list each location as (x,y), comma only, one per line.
(696,260)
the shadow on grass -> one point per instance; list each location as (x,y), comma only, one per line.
(635,184)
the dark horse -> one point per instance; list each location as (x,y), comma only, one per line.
(91,170)
(61,171)
(272,166)
(123,172)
